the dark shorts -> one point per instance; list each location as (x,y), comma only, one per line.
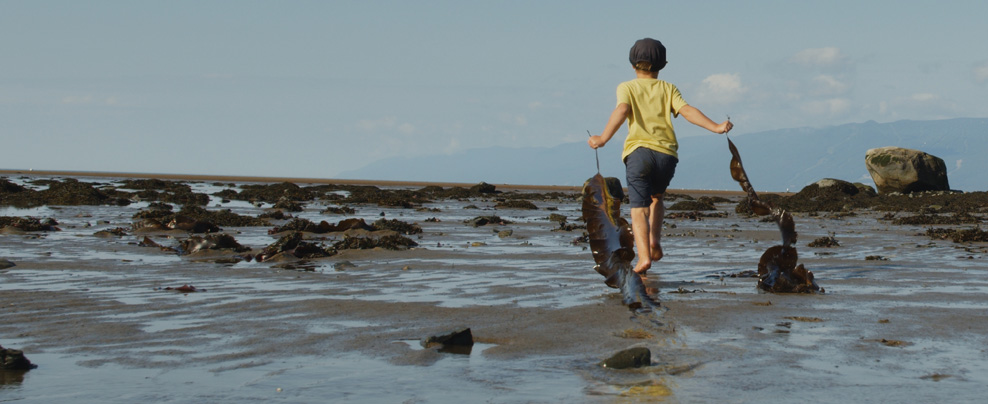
(649,173)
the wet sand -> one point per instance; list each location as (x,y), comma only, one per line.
(93,314)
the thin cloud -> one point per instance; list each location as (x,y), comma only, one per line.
(924,97)
(828,107)
(827,84)
(722,88)
(388,123)
(981,73)
(827,56)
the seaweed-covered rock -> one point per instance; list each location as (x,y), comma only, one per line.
(516,204)
(221,241)
(306,225)
(485,220)
(67,192)
(272,193)
(385,239)
(398,226)
(825,242)
(29,223)
(191,214)
(289,205)
(958,236)
(828,195)
(483,188)
(191,225)
(114,232)
(294,245)
(694,205)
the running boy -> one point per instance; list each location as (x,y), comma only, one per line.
(649,104)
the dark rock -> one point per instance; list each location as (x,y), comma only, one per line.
(114,232)
(958,236)
(485,220)
(294,245)
(483,188)
(895,169)
(272,193)
(221,241)
(289,205)
(29,223)
(462,337)
(516,204)
(629,358)
(306,225)
(4,264)
(191,225)
(342,210)
(13,359)
(387,239)
(398,226)
(274,214)
(827,242)
(695,205)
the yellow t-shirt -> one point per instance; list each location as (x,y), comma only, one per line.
(653,105)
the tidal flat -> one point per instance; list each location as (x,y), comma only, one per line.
(904,317)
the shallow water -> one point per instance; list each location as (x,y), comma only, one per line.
(193,347)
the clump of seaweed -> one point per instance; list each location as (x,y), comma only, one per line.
(958,236)
(778,271)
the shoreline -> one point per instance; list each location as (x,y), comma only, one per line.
(303,180)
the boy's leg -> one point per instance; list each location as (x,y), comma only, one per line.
(639,227)
(657,212)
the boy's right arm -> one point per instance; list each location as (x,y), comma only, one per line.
(697,118)
(617,119)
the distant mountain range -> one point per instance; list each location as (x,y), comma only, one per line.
(775,160)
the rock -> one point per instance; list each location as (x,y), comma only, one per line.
(221,241)
(4,264)
(483,188)
(895,169)
(629,358)
(462,337)
(13,359)
(841,185)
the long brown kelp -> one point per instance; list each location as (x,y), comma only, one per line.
(611,241)
(777,269)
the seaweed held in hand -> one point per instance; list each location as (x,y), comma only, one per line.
(612,243)
(777,269)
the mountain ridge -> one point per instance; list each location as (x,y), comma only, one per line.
(776,160)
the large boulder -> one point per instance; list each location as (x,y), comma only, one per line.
(895,169)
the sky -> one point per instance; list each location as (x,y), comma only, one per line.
(316,88)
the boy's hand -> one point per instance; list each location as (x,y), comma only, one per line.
(724,127)
(596,142)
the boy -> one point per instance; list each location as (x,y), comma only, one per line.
(649,104)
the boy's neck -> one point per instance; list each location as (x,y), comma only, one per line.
(645,74)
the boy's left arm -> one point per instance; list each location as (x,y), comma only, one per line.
(696,117)
(617,119)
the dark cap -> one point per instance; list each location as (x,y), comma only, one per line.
(648,50)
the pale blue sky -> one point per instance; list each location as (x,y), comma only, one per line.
(312,88)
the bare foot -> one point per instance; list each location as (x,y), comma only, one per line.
(656,252)
(642,267)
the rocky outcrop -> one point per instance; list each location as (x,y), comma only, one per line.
(629,358)
(895,169)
